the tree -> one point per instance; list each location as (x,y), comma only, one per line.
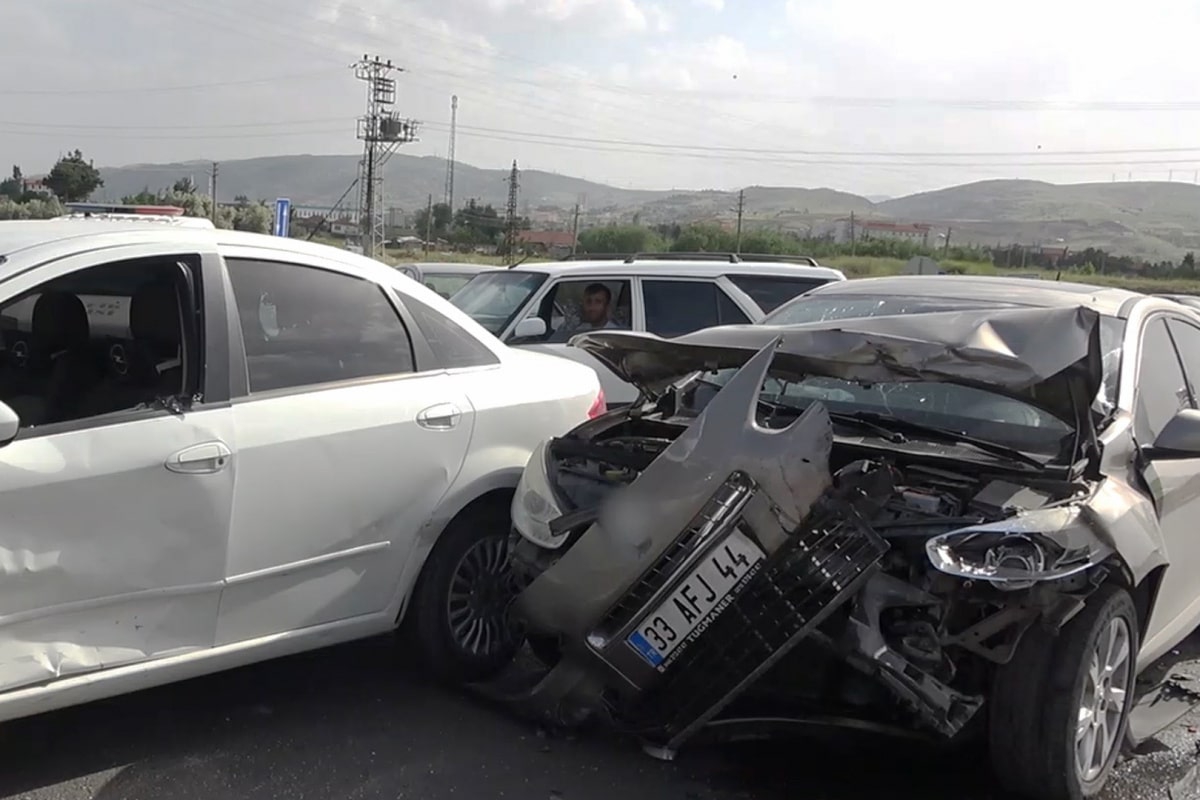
(443,215)
(72,179)
(13,188)
(620,239)
(477,224)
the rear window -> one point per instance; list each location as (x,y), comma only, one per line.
(772,291)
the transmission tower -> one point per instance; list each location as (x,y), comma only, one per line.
(510,219)
(450,153)
(381,132)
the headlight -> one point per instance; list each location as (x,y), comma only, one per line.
(1016,553)
(533,505)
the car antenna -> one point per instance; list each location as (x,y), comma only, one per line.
(524,258)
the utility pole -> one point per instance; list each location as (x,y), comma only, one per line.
(510,220)
(852,243)
(212,192)
(450,154)
(428,223)
(946,244)
(741,207)
(381,132)
(575,230)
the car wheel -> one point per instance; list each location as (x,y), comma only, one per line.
(1060,707)
(459,609)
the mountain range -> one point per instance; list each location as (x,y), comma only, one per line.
(1151,220)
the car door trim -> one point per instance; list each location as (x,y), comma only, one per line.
(187,590)
(305,563)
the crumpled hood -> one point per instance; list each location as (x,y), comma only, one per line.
(1049,357)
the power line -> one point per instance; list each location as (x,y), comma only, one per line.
(287,123)
(157,89)
(857,153)
(184,138)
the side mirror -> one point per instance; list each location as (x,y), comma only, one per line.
(1179,438)
(10,424)
(530,328)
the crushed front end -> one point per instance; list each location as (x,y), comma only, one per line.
(695,579)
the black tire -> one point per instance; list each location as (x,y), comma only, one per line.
(469,564)
(1037,696)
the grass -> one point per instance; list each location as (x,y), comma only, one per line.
(866,267)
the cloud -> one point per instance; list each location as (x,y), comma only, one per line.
(789,76)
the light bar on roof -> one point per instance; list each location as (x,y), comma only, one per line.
(119,208)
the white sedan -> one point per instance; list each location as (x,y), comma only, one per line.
(218,448)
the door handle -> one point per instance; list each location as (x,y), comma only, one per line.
(440,417)
(201,459)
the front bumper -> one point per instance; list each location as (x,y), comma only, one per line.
(773,488)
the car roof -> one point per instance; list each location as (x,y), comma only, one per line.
(700,268)
(27,242)
(1102,299)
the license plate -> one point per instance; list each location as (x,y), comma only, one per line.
(686,612)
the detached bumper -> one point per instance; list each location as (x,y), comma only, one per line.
(724,488)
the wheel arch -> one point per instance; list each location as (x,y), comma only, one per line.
(495,489)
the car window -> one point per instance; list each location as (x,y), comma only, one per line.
(445,284)
(1187,343)
(494,299)
(576,306)
(452,346)
(728,311)
(304,326)
(771,291)
(1161,390)
(674,308)
(819,308)
(98,341)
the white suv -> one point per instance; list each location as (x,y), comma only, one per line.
(220,447)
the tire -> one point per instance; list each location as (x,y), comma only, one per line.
(458,614)
(1038,696)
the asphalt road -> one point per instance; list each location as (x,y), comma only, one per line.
(353,722)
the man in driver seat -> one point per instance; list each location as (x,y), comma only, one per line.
(595,313)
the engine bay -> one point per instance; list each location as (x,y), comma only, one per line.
(921,642)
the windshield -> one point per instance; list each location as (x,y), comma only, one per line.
(446,283)
(493,299)
(962,409)
(833,306)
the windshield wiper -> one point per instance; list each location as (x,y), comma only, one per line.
(894,428)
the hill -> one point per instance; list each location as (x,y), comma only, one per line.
(408,182)
(1151,220)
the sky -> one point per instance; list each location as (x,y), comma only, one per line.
(869,96)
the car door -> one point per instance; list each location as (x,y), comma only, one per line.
(348,438)
(675,306)
(113,536)
(1163,388)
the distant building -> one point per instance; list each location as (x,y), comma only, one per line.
(863,229)
(553,243)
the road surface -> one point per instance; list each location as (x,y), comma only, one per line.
(354,723)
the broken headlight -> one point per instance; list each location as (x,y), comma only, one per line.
(534,506)
(1016,553)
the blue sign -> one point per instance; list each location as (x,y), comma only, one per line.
(283,213)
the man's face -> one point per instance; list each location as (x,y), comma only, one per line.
(595,308)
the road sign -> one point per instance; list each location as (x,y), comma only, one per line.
(283,212)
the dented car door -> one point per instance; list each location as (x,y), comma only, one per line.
(113,537)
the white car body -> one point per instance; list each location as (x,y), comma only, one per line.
(148,546)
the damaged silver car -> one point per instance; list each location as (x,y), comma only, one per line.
(956,523)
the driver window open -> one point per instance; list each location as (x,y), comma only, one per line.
(577,306)
(101,340)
